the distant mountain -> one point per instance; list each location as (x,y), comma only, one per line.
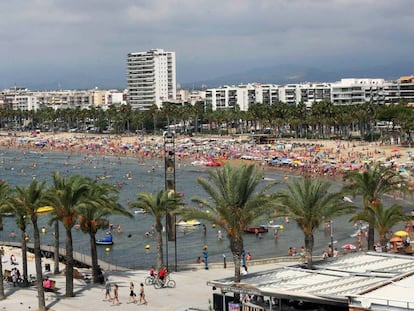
(285,74)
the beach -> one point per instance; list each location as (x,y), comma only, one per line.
(318,157)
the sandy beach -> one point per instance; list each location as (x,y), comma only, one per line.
(325,158)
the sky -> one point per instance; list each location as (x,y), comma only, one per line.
(81,44)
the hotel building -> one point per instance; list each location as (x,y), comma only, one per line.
(151,78)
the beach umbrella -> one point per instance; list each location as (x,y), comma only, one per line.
(401,233)
(395,150)
(349,246)
(409,152)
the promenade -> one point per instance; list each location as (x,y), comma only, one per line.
(191,292)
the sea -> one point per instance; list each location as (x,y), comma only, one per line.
(132,248)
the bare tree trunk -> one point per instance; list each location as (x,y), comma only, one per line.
(309,240)
(56,247)
(159,247)
(24,255)
(38,264)
(69,264)
(94,258)
(236,246)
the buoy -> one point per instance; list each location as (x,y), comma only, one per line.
(213,226)
(147,246)
(207,212)
(44,230)
(107,249)
(281,227)
(286,177)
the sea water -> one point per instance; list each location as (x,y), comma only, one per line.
(132,176)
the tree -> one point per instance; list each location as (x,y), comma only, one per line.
(30,199)
(166,201)
(21,221)
(382,219)
(4,205)
(100,201)
(65,201)
(372,184)
(309,203)
(235,203)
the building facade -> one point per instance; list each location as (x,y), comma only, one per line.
(358,91)
(151,78)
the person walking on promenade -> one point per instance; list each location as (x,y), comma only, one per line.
(205,255)
(132,294)
(116,297)
(142,294)
(107,289)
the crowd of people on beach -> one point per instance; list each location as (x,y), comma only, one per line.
(316,158)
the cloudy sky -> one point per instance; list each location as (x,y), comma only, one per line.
(84,43)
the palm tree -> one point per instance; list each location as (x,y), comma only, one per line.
(372,184)
(235,203)
(382,219)
(309,203)
(166,201)
(21,221)
(4,204)
(30,199)
(100,201)
(65,201)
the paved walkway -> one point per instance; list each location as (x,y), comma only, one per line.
(191,292)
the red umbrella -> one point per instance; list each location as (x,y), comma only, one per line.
(395,150)
(349,246)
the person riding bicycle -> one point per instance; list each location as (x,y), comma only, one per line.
(162,274)
(152,272)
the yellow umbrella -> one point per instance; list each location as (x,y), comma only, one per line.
(401,233)
(45,209)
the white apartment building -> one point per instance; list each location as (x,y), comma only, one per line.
(151,78)
(400,90)
(311,93)
(358,91)
(242,96)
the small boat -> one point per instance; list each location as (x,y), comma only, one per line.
(272,224)
(7,214)
(259,229)
(188,223)
(105,241)
(140,211)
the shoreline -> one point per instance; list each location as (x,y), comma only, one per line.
(316,158)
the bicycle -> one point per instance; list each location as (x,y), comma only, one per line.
(167,282)
(150,280)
